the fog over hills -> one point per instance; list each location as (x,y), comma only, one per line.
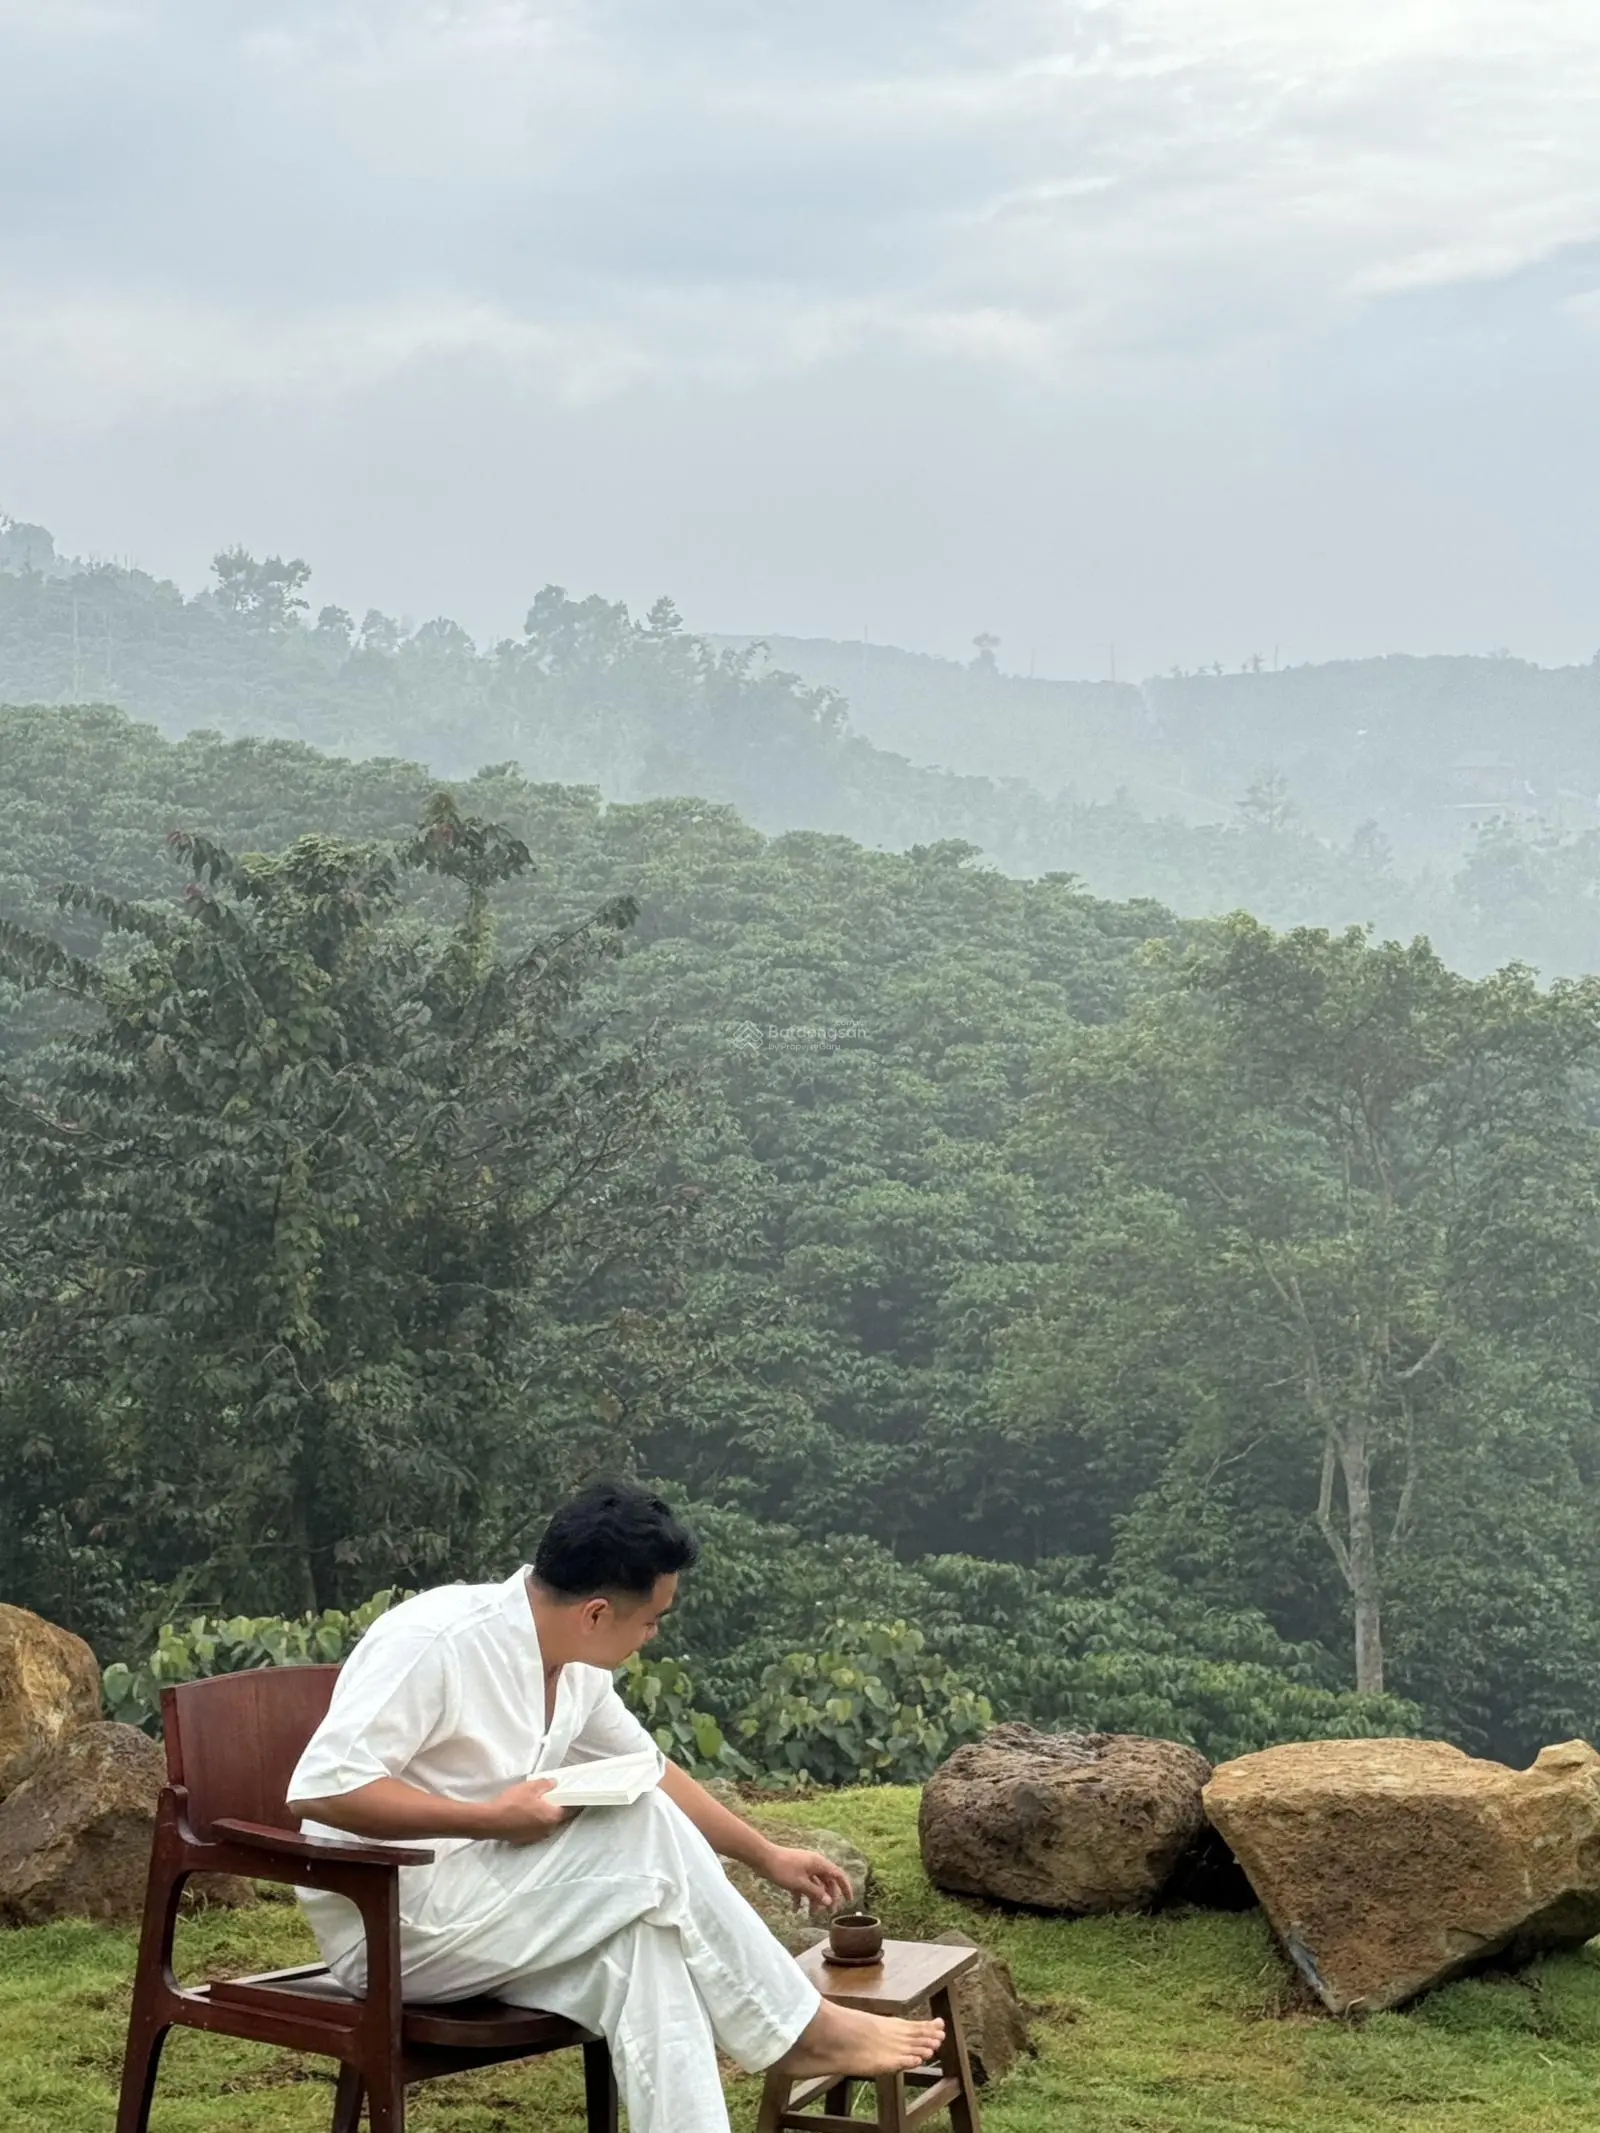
(1426,749)
(1089,739)
(1458,796)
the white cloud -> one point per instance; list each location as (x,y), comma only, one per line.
(1019,183)
(1158,217)
(86,363)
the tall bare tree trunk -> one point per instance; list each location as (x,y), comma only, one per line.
(1365,1584)
(1355,1551)
(302,1562)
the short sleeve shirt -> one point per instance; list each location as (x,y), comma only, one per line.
(446,1692)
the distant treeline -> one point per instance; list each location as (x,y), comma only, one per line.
(1416,749)
(1311,763)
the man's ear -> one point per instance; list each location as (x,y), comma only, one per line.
(594,1611)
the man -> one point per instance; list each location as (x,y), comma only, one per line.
(445,1725)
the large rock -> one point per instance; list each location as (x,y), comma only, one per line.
(75,1836)
(1072,1822)
(49,1687)
(993,2020)
(802,1927)
(1387,1866)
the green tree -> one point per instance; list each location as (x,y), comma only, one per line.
(269,595)
(315,1198)
(1299,1145)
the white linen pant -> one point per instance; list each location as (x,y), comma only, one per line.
(624,1921)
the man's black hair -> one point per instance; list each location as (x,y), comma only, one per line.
(613,1537)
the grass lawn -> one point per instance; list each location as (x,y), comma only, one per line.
(1161,2025)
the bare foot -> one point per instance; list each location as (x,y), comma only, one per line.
(843,2040)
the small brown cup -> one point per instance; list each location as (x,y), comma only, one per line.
(856,1935)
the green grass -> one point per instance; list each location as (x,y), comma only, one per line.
(1180,2024)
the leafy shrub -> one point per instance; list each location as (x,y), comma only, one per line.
(657,1689)
(660,1694)
(205,1646)
(874,1706)
(775,1682)
(1142,1658)
(1057,1643)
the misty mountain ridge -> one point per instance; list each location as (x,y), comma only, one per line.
(1423,746)
(1319,794)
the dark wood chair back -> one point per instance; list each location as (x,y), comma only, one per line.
(233,1740)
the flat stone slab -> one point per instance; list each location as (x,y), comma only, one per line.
(1388,1866)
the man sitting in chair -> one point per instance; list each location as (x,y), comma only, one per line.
(446,1723)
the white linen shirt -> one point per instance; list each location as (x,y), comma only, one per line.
(446,1691)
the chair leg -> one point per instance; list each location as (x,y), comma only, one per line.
(837,2102)
(348,2098)
(146,2035)
(386,2099)
(599,2089)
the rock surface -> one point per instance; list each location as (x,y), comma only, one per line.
(801,1928)
(75,1836)
(1074,1822)
(49,1687)
(1387,1866)
(992,2017)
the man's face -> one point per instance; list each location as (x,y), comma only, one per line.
(614,1629)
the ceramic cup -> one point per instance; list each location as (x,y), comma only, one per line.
(856,1934)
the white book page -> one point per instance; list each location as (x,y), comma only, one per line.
(613,1781)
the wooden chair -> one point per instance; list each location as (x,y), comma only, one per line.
(232,1744)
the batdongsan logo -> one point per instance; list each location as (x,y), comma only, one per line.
(755,1036)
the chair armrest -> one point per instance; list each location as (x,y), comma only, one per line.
(290,1844)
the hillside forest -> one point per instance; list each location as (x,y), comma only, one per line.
(1152,1323)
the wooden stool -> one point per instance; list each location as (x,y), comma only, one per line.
(911,1972)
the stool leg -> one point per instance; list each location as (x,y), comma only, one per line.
(775,2093)
(838,2101)
(954,2062)
(891,2103)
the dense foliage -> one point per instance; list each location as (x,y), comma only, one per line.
(1350,1194)
(305,1203)
(812,1677)
(925,1233)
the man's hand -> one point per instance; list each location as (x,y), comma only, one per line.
(523,1814)
(803,1874)
(808,1874)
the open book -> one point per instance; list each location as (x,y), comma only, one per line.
(612,1781)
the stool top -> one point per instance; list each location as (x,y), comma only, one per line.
(907,1973)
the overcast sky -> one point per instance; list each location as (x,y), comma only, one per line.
(1197,327)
